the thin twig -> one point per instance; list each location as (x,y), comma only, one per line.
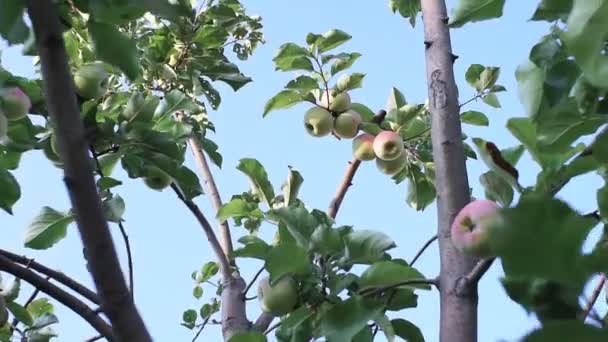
(125,238)
(426,245)
(273,327)
(204,223)
(94,338)
(478,271)
(200,330)
(75,304)
(374,291)
(478,95)
(594,296)
(255,277)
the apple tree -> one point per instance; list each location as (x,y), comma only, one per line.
(131,83)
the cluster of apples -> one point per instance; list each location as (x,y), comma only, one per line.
(14,105)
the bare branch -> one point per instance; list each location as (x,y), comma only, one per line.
(125,238)
(594,296)
(426,245)
(479,270)
(200,330)
(58,276)
(255,277)
(276,325)
(334,206)
(57,293)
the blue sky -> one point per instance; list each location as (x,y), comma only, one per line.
(166,240)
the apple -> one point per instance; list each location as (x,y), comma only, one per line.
(346,125)
(3,126)
(157,179)
(391,167)
(470,229)
(91,81)
(363,147)
(280,298)
(318,122)
(337,102)
(388,145)
(15,103)
(134,106)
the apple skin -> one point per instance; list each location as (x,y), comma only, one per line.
(391,167)
(91,81)
(15,103)
(388,145)
(363,147)
(346,125)
(157,179)
(470,229)
(3,126)
(279,299)
(337,103)
(318,122)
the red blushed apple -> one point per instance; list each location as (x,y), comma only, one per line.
(363,147)
(15,103)
(470,229)
(388,145)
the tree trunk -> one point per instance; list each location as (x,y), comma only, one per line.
(116,301)
(458,314)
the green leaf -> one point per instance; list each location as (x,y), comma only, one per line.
(602,201)
(344,61)
(390,273)
(344,320)
(114,47)
(407,330)
(105,183)
(473,117)
(282,100)
(547,51)
(10,293)
(258,178)
(291,188)
(48,227)
(585,39)
(303,82)
(475,10)
(287,259)
(326,241)
(44,320)
(407,9)
(331,40)
(248,337)
(292,57)
(211,36)
(491,99)
(395,100)
(39,307)
(386,327)
(496,188)
(551,10)
(208,270)
(176,101)
(211,148)
(108,162)
(254,247)
(488,77)
(366,113)
(513,154)
(420,190)
(20,313)
(365,247)
(350,82)
(12,26)
(473,74)
(197,292)
(550,223)
(189,316)
(530,80)
(298,221)
(238,208)
(567,330)
(11,192)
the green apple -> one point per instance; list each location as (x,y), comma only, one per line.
(15,104)
(391,167)
(337,102)
(134,106)
(388,145)
(3,126)
(91,81)
(470,229)
(157,179)
(346,125)
(49,151)
(280,298)
(363,147)
(318,122)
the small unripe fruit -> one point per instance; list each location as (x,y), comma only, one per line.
(337,102)
(346,125)
(279,299)
(15,104)
(318,122)
(363,147)
(391,167)
(470,229)
(3,126)
(157,179)
(388,145)
(91,81)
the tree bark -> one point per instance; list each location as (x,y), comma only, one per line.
(101,255)
(458,314)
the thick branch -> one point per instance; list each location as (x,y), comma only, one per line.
(58,276)
(60,295)
(214,195)
(94,232)
(458,314)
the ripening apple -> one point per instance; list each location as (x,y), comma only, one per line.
(363,147)
(280,298)
(339,102)
(391,167)
(470,229)
(388,145)
(318,122)
(346,125)
(15,104)
(91,81)
(157,179)
(3,126)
